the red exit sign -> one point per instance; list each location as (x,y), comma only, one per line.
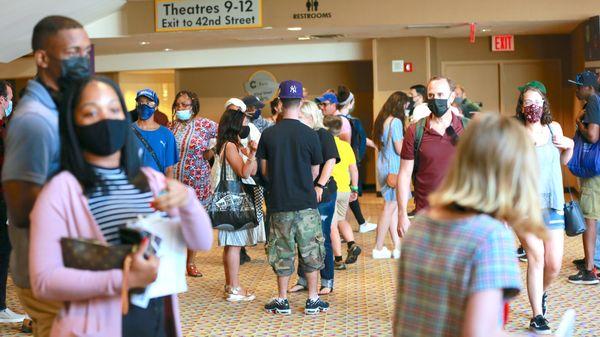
(503,43)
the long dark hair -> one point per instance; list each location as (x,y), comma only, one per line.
(193,97)
(394,106)
(342,95)
(230,125)
(72,158)
(546,115)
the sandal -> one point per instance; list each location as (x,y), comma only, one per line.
(297,288)
(321,293)
(193,271)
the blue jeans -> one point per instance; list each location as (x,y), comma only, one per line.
(326,210)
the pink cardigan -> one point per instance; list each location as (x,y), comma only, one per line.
(92,298)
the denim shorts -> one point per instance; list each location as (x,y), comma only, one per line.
(554,219)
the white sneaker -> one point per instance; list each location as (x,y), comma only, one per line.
(236,295)
(384,253)
(8,316)
(367,227)
(396,253)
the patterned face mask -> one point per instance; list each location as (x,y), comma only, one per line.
(533,113)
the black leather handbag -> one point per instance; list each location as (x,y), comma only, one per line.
(574,221)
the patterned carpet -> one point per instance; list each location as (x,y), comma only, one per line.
(361,304)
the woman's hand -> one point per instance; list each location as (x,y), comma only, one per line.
(562,142)
(143,271)
(176,196)
(252,146)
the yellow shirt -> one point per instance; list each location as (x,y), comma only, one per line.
(341,170)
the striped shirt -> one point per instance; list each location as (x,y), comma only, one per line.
(122,202)
(443,263)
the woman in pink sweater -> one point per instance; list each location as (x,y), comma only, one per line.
(100,188)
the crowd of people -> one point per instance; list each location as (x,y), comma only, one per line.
(78,165)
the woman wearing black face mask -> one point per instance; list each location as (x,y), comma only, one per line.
(240,162)
(101,188)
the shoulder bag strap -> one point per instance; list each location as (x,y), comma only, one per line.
(149,148)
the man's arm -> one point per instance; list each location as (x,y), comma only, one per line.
(591,133)
(263,168)
(402,192)
(20,197)
(315,171)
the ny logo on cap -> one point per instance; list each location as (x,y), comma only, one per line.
(293,89)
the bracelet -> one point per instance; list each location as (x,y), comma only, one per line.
(354,188)
(321,186)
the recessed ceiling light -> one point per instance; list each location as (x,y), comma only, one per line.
(268,27)
(294,29)
(304,38)
(168,49)
(144,43)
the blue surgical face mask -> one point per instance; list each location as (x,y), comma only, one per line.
(9,109)
(145,111)
(184,115)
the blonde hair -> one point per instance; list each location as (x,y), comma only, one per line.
(310,110)
(333,124)
(495,172)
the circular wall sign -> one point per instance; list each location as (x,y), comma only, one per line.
(263,85)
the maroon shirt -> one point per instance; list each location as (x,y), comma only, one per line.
(435,154)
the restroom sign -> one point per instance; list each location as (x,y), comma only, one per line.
(503,42)
(181,15)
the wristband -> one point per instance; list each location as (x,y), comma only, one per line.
(354,188)
(319,185)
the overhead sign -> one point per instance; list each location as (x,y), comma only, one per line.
(503,43)
(263,85)
(314,10)
(179,15)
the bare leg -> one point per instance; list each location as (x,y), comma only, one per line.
(553,247)
(535,271)
(226,266)
(394,227)
(282,285)
(336,242)
(589,243)
(383,225)
(232,255)
(190,256)
(311,279)
(346,230)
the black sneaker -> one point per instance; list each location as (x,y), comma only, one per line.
(520,252)
(580,264)
(339,265)
(314,307)
(544,303)
(584,277)
(244,257)
(539,325)
(278,306)
(353,253)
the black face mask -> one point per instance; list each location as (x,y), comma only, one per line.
(244,132)
(438,106)
(74,68)
(104,137)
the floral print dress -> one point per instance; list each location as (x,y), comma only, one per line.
(193,138)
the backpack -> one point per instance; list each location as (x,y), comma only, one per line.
(358,140)
(419,130)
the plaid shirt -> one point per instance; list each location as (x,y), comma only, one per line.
(442,263)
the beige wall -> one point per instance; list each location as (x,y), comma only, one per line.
(215,85)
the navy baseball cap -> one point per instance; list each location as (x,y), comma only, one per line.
(332,98)
(149,93)
(290,89)
(253,101)
(586,78)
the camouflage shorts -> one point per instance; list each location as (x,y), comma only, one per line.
(288,229)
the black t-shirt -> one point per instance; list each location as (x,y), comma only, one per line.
(290,149)
(329,151)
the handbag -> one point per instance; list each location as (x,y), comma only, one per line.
(231,206)
(585,162)
(574,221)
(392,178)
(88,254)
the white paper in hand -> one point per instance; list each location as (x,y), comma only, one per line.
(172,254)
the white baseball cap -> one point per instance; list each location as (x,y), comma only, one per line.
(237,102)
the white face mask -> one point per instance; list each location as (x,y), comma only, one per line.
(184,115)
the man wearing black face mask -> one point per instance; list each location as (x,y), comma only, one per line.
(61,49)
(427,149)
